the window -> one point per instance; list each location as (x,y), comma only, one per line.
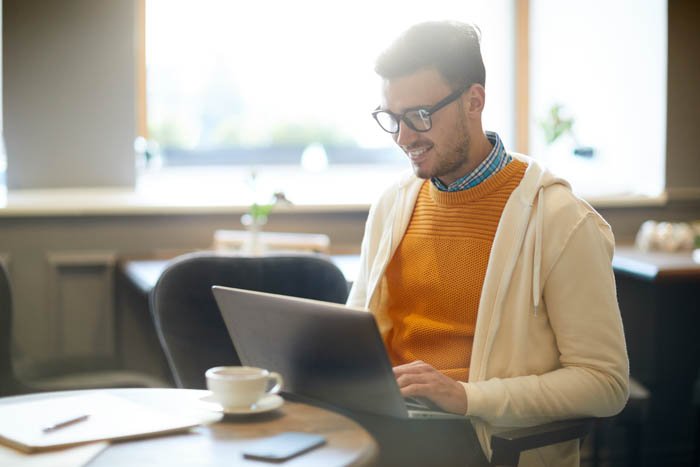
(266,82)
(275,83)
(598,86)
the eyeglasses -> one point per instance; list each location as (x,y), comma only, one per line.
(416,119)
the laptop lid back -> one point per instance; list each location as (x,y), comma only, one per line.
(324,351)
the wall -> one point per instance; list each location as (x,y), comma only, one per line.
(69,84)
(683,158)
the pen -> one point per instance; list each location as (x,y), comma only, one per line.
(64,423)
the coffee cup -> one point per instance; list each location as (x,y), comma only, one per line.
(236,387)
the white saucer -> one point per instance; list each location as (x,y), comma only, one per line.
(266,404)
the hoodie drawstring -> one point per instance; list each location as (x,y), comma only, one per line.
(538,250)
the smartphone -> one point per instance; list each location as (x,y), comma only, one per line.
(283,446)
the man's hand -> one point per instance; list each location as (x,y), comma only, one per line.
(418,379)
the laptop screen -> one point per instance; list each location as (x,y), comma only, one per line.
(325,351)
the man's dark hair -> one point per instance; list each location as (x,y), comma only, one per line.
(449,46)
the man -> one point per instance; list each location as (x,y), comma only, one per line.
(490,281)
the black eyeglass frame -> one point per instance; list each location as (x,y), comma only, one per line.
(426,113)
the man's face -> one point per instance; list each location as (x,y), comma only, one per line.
(443,151)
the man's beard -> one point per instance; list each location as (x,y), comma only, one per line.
(449,160)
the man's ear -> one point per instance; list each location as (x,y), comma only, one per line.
(475,99)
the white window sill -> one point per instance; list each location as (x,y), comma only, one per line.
(207,190)
(627,201)
(202,190)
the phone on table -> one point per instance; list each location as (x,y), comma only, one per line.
(283,446)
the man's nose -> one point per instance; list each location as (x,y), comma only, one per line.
(405,135)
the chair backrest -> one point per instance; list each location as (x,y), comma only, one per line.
(6,372)
(59,373)
(188,321)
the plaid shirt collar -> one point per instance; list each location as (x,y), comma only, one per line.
(495,161)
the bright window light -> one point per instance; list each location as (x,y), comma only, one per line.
(598,90)
(229,78)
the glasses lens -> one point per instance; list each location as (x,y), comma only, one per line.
(387,121)
(419,119)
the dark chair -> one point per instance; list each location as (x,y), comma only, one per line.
(63,373)
(188,322)
(508,445)
(632,418)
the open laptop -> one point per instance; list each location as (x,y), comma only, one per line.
(325,351)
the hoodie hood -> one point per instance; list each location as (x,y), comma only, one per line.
(531,193)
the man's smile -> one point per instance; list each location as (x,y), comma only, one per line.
(417,153)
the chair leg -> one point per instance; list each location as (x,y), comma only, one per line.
(595,460)
(634,444)
(597,443)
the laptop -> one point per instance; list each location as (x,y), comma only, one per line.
(325,352)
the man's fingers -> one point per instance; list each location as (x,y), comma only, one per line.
(418,379)
(416,390)
(413,367)
(427,377)
(412,378)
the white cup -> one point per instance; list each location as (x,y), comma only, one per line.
(237,387)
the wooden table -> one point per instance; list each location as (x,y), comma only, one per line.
(221,440)
(656,266)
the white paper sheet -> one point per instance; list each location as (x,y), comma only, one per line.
(70,457)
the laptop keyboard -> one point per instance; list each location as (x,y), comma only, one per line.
(421,403)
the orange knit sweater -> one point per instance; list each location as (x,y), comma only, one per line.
(435,277)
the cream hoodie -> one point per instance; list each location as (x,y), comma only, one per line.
(549,342)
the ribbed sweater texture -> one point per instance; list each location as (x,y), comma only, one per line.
(435,277)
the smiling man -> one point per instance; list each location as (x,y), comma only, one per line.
(491,282)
